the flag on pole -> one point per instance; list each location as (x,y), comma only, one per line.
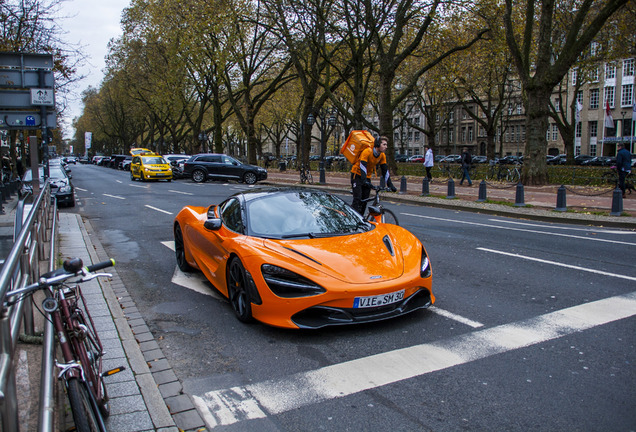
(579,107)
(609,121)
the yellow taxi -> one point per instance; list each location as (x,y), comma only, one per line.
(150,166)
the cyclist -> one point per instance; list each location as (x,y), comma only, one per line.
(361,172)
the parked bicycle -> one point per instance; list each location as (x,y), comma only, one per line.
(305,175)
(82,351)
(376,212)
(502,172)
(611,177)
(448,170)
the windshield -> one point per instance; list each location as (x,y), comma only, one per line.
(153,160)
(302,214)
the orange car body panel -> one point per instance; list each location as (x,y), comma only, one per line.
(349,266)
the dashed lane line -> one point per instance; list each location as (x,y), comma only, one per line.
(565,228)
(455,317)
(114,196)
(276,396)
(158,209)
(520,229)
(555,263)
(180,192)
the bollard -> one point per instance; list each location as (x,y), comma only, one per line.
(321,170)
(561,205)
(282,166)
(519,200)
(617,203)
(403,185)
(451,189)
(482,192)
(425,186)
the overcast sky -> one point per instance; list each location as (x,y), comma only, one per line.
(91,24)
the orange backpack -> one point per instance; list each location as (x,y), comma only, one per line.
(357,141)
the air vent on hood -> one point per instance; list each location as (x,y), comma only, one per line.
(388,244)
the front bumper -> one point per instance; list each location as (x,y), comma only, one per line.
(322,316)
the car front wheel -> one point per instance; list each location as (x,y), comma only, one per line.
(179,249)
(237,291)
(198,176)
(249,178)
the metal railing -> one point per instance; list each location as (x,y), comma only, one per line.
(33,229)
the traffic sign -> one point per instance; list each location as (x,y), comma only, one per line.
(15,78)
(26,60)
(42,96)
(20,119)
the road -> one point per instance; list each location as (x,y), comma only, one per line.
(533,328)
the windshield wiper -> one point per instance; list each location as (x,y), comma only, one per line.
(298,235)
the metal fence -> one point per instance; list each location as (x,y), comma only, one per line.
(35,225)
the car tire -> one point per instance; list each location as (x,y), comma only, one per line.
(249,178)
(142,177)
(179,249)
(72,203)
(237,291)
(132,177)
(198,176)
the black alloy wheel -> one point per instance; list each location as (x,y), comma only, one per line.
(249,178)
(179,250)
(237,291)
(198,176)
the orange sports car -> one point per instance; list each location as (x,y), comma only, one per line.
(302,258)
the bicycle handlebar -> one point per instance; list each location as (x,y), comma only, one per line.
(72,267)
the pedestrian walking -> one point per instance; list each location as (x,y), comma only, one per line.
(467,160)
(428,162)
(623,165)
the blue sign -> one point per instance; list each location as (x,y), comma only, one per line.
(30,120)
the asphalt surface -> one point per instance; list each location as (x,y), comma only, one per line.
(150,397)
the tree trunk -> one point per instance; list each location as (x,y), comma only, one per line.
(535,170)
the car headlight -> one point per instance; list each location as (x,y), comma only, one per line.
(425,266)
(65,189)
(285,283)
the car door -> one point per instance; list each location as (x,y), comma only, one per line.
(231,168)
(135,167)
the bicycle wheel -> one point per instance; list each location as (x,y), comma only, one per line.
(85,418)
(389,217)
(310,178)
(513,176)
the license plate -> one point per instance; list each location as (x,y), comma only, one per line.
(378,300)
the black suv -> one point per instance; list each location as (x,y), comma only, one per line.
(202,167)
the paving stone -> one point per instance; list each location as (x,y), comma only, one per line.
(163,377)
(171,389)
(188,420)
(131,422)
(179,403)
(126,404)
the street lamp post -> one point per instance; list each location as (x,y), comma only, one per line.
(203,138)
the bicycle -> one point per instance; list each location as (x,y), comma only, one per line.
(81,348)
(514,174)
(305,175)
(611,177)
(376,212)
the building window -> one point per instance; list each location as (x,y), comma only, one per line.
(463,133)
(555,132)
(594,74)
(470,133)
(557,104)
(574,76)
(627,94)
(610,71)
(450,135)
(578,130)
(579,97)
(519,109)
(523,133)
(609,96)
(451,116)
(594,98)
(594,47)
(593,127)
(628,67)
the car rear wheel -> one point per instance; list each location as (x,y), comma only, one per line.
(198,176)
(237,291)
(249,178)
(132,177)
(179,250)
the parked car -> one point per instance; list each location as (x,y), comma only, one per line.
(479,159)
(401,158)
(416,158)
(213,166)
(116,160)
(125,164)
(277,254)
(61,186)
(578,160)
(176,162)
(149,166)
(454,158)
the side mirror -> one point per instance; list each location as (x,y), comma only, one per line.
(212,224)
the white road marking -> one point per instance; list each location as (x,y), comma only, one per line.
(276,396)
(139,186)
(600,272)
(114,196)
(119,181)
(521,229)
(80,189)
(180,192)
(593,230)
(192,281)
(455,317)
(157,209)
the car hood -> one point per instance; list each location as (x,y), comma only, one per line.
(373,256)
